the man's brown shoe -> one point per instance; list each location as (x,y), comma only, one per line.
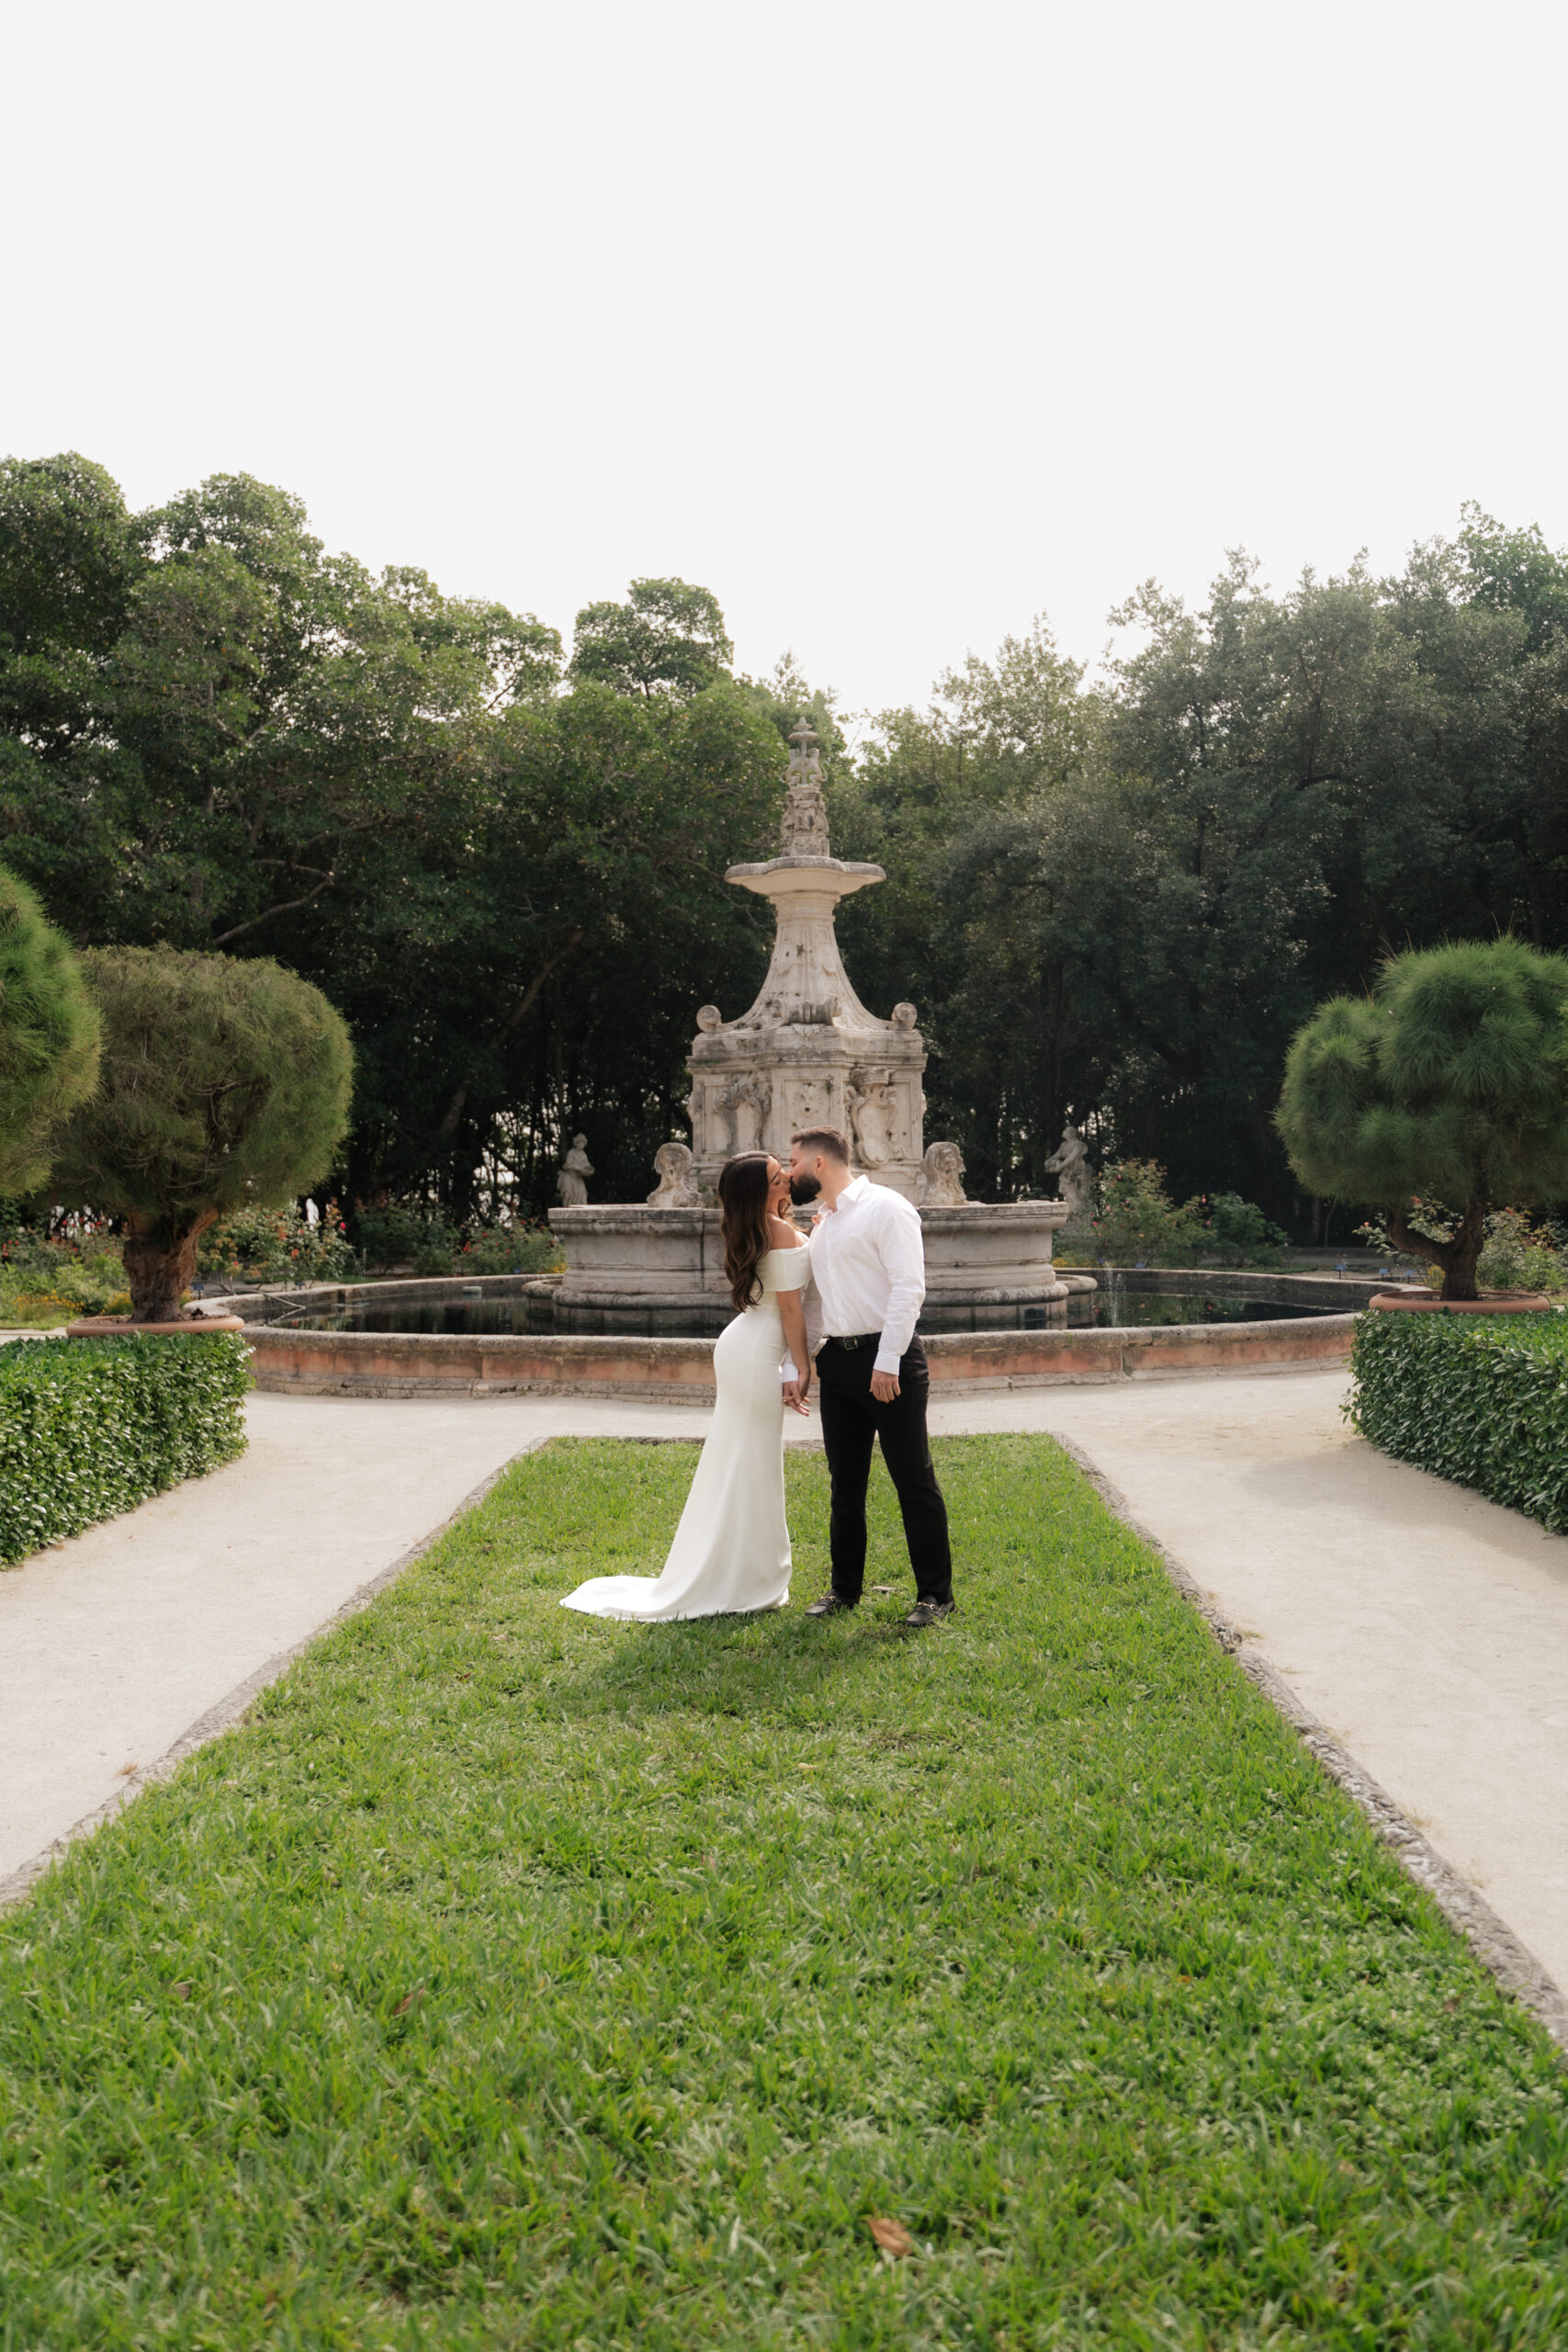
(926,1612)
(831,1604)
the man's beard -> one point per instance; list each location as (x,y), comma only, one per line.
(803,1189)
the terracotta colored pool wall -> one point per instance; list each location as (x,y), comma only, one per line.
(680,1371)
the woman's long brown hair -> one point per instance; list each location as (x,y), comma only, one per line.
(744,1225)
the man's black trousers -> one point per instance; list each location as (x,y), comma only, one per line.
(851,1420)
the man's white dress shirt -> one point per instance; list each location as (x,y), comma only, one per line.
(868,1270)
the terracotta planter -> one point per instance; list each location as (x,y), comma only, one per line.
(120,1327)
(1522,1302)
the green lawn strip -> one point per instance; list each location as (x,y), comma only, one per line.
(514,1979)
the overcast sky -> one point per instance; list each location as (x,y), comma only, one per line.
(892,323)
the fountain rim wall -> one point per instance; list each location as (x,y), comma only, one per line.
(678,1371)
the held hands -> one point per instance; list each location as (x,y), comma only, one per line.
(795,1396)
(884,1387)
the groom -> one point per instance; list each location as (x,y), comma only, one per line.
(869,1275)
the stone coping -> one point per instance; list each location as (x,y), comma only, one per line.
(680,1371)
(1349,1291)
(639,1216)
(1409,1302)
(120,1327)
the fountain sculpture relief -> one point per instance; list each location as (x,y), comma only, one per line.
(807,1053)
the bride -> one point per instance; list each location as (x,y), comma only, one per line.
(731,1549)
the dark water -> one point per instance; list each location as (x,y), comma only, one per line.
(1102,1311)
(459,1318)
(479,1317)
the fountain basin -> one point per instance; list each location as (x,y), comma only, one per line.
(679,1370)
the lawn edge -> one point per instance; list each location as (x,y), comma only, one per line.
(1500,1951)
(235,1705)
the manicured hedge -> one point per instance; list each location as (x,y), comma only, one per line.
(89,1428)
(1479,1398)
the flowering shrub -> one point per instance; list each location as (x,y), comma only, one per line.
(399,1235)
(509,1249)
(278,1246)
(1516,1254)
(1138,1224)
(1235,1232)
(46,1283)
(1138,1220)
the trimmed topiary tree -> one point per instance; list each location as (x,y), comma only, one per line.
(226,1082)
(49,1036)
(1447,1083)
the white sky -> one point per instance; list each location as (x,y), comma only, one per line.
(892,323)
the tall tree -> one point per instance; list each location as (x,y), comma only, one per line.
(668,638)
(526,960)
(236,713)
(951,801)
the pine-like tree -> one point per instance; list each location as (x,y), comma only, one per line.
(49,1036)
(1447,1083)
(226,1084)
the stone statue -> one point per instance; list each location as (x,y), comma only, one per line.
(1069,1165)
(677,1185)
(569,1186)
(873,1117)
(940,1185)
(803,832)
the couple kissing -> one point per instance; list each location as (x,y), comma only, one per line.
(839,1308)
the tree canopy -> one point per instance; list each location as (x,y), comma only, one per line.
(215,736)
(666,638)
(1116,896)
(1124,906)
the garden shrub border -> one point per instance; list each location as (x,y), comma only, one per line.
(1482,1400)
(90,1428)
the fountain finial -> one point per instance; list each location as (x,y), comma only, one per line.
(803,832)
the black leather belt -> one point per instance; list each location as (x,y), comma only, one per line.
(860,1339)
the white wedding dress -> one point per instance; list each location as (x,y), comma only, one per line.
(731,1549)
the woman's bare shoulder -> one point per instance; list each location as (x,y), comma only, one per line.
(783,1235)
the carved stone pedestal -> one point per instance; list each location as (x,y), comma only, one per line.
(646,1261)
(809,1053)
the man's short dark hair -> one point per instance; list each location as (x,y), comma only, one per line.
(831,1142)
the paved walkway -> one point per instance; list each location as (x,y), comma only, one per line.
(1427,1628)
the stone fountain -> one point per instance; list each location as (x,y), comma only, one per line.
(807,1054)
